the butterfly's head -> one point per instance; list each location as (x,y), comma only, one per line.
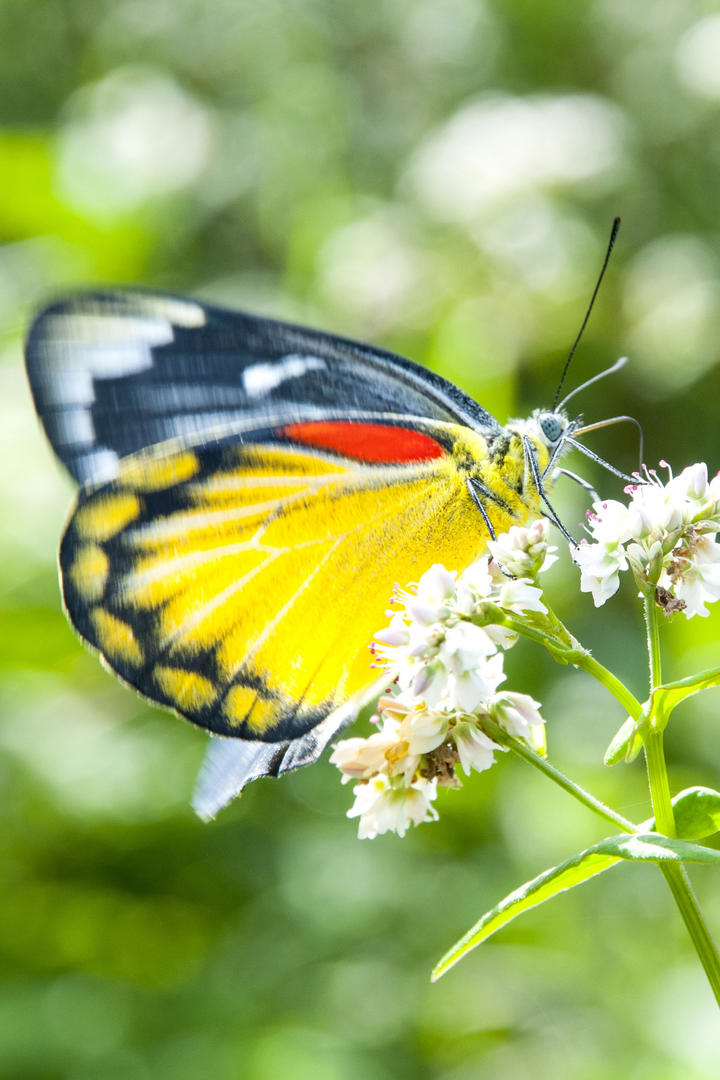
(547,431)
(552,432)
(552,427)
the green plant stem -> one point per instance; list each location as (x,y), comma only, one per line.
(577,657)
(653,640)
(673,873)
(566,650)
(654,750)
(523,750)
(680,887)
(611,683)
(659,783)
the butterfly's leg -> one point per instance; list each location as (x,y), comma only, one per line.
(601,461)
(553,458)
(531,467)
(476,490)
(578,480)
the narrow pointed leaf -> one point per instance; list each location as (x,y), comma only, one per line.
(666,698)
(635,847)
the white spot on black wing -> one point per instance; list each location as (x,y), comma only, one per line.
(260,379)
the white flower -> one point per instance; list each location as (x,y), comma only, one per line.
(478,580)
(445,670)
(384,751)
(685,499)
(692,483)
(523,552)
(608,522)
(426,681)
(396,635)
(435,590)
(475,749)
(409,730)
(519,596)
(600,566)
(423,729)
(468,686)
(666,535)
(465,645)
(640,520)
(518,715)
(600,562)
(501,635)
(485,580)
(408,649)
(384,805)
(695,576)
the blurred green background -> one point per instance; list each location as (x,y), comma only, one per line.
(439,177)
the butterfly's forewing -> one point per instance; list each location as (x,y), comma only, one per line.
(115,373)
(251,493)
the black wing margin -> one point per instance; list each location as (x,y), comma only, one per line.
(115,372)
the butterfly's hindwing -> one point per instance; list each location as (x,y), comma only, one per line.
(241,583)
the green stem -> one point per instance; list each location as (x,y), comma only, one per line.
(578,657)
(673,873)
(611,683)
(556,639)
(677,879)
(654,750)
(653,640)
(500,736)
(659,783)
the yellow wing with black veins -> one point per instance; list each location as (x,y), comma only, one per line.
(241,584)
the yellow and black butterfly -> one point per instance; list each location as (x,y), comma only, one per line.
(250,493)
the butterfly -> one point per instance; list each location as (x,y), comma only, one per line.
(249,494)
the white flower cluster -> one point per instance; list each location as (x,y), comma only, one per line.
(665,535)
(445,671)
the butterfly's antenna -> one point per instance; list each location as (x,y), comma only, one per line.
(606,260)
(595,378)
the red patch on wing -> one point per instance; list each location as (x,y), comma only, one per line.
(367,442)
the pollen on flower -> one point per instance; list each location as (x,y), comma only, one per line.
(397,753)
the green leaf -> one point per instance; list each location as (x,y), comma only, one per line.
(667,697)
(635,847)
(697,813)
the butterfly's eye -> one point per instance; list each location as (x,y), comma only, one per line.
(552,427)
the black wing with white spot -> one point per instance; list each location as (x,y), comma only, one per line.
(113,373)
